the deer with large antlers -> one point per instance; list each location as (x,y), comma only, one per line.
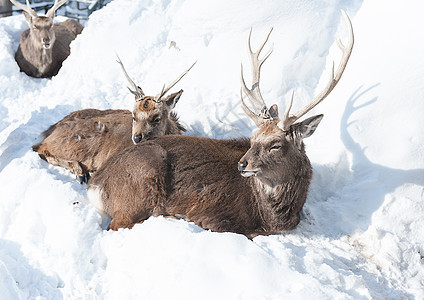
(199,178)
(45,45)
(84,139)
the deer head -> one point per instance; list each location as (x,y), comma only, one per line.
(151,113)
(41,27)
(278,144)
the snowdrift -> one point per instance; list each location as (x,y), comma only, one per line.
(362,231)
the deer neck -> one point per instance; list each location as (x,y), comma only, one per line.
(279,206)
(174,126)
(46,58)
(42,57)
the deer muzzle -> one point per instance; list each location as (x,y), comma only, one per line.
(243,168)
(137,138)
(46,43)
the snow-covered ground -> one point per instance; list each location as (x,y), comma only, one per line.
(362,231)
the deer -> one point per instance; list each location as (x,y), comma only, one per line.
(254,186)
(84,139)
(44,45)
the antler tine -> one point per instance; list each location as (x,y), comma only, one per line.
(254,93)
(26,8)
(50,13)
(258,121)
(288,119)
(137,90)
(287,112)
(170,86)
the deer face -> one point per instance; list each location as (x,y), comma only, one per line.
(275,155)
(41,29)
(277,150)
(151,116)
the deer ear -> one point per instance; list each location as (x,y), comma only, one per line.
(28,17)
(273,111)
(172,99)
(307,127)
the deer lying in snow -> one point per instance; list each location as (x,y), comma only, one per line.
(44,46)
(199,178)
(84,139)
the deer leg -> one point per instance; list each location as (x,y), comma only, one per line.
(122,220)
(73,166)
(77,168)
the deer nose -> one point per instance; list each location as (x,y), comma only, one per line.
(242,164)
(138,138)
(46,43)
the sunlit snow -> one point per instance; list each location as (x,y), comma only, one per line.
(361,235)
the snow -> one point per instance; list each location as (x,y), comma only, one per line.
(361,235)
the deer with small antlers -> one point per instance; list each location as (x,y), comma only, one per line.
(199,178)
(84,139)
(45,45)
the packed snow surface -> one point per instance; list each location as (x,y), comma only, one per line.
(361,235)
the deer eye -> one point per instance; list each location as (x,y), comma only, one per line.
(156,120)
(133,118)
(276,146)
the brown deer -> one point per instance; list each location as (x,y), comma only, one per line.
(198,179)
(84,139)
(44,46)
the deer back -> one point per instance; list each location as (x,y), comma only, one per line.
(84,139)
(65,33)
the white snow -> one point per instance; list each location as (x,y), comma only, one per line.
(362,231)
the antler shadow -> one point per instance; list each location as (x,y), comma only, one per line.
(390,177)
(343,197)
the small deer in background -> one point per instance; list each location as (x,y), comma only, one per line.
(199,178)
(84,139)
(44,46)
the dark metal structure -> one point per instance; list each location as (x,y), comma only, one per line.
(76,9)
(5,8)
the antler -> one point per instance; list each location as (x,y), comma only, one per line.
(261,113)
(288,119)
(52,10)
(137,91)
(166,89)
(26,8)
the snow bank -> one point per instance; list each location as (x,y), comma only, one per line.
(361,234)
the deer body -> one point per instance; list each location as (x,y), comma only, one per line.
(84,139)
(35,60)
(81,141)
(44,46)
(198,178)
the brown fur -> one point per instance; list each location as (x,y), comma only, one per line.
(84,139)
(152,118)
(198,178)
(33,58)
(146,105)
